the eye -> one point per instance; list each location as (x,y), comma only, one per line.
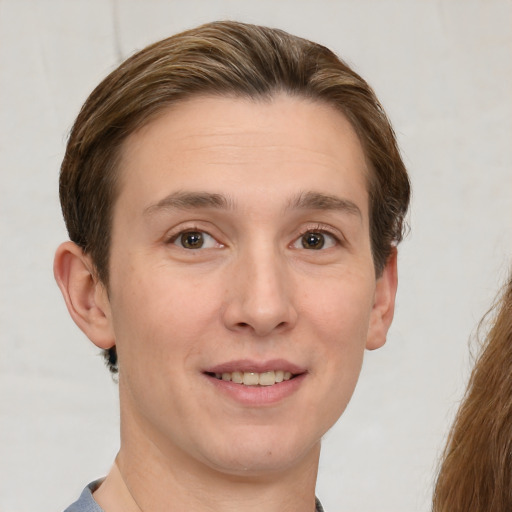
(315,240)
(195,240)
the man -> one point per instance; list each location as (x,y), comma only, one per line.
(234,196)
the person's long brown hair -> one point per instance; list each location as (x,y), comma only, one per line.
(476,470)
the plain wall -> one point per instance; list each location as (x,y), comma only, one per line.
(442,69)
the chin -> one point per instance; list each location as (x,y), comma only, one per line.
(259,457)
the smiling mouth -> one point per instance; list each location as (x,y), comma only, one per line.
(253,378)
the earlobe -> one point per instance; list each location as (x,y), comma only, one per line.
(85,296)
(384,304)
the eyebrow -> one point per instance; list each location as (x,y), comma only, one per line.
(319,201)
(190,200)
(182,200)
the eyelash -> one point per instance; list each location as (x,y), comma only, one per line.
(316,229)
(172,239)
(320,229)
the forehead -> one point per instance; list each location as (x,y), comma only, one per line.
(218,143)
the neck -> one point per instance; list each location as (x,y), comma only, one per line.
(145,481)
(161,470)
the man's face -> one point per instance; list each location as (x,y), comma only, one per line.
(241,252)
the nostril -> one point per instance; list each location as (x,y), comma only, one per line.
(244,325)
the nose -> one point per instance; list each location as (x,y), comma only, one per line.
(260,295)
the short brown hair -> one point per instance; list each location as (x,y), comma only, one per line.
(224,58)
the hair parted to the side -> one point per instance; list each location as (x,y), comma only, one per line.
(476,470)
(229,59)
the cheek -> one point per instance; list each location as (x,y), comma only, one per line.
(340,318)
(160,310)
(339,353)
(339,307)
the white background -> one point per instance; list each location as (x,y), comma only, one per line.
(442,69)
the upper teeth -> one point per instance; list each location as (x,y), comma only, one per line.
(255,379)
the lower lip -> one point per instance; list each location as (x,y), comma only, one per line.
(255,396)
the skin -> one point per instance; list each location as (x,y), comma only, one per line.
(262,182)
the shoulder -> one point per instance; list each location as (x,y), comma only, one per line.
(86,502)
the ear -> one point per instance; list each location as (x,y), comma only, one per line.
(384,304)
(86,297)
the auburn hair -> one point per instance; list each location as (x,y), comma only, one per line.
(476,470)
